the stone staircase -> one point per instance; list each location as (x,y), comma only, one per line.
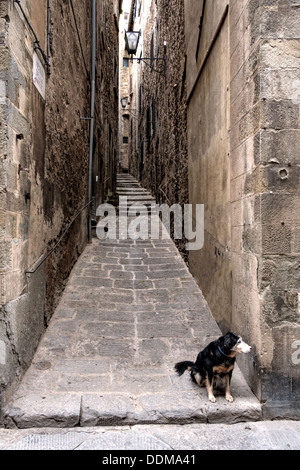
(130,311)
(135,195)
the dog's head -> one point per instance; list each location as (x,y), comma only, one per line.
(235,343)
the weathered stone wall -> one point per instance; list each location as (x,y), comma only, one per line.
(265,181)
(106,137)
(160,158)
(44,150)
(243,128)
(208,147)
(124,90)
(21,149)
(245,218)
(62,170)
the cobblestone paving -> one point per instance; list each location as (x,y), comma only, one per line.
(131,309)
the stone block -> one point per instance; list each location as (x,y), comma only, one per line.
(107,347)
(83,383)
(280,272)
(12,176)
(26,320)
(44,410)
(280,84)
(280,23)
(5,254)
(279,115)
(280,209)
(92,282)
(276,146)
(102,409)
(276,239)
(4,59)
(280,53)
(138,284)
(296,238)
(3,222)
(272,178)
(280,306)
(108,330)
(162,408)
(165,330)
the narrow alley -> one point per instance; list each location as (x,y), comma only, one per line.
(131,309)
(149,204)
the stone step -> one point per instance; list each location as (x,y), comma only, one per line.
(131,309)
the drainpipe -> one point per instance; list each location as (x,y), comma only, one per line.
(92,117)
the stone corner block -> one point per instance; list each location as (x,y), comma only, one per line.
(37,411)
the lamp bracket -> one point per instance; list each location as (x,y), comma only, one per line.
(151,59)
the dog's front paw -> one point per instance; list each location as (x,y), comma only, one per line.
(212,399)
(229,398)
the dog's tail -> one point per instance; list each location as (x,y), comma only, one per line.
(181,367)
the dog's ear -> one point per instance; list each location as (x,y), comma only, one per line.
(230,340)
(227,340)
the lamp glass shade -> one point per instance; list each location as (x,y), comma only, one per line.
(132,41)
(124,102)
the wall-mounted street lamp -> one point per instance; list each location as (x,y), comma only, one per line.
(124,102)
(132,39)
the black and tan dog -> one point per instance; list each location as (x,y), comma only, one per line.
(217,359)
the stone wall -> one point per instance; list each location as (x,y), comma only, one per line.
(22,150)
(126,114)
(208,147)
(106,137)
(243,128)
(265,182)
(44,150)
(159,136)
(221,128)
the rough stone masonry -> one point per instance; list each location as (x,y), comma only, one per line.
(44,149)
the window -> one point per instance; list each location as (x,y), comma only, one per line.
(125,62)
(139,7)
(125,140)
(134,10)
